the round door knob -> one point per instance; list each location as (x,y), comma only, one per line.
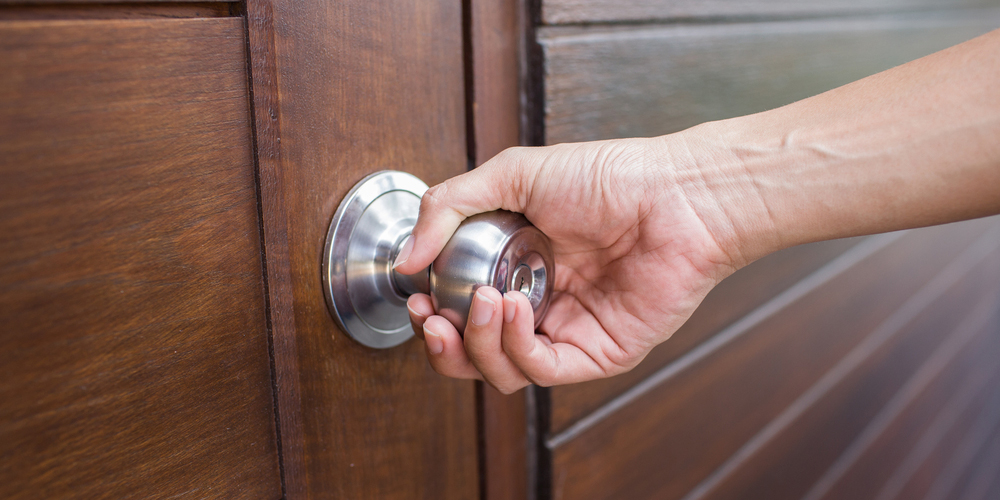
(368,299)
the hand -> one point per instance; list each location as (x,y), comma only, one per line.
(632,257)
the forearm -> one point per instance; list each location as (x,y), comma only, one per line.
(913,146)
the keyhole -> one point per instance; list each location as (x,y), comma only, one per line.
(522,279)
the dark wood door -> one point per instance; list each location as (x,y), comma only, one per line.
(134,341)
(170,170)
(352,88)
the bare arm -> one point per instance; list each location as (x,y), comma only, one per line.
(644,228)
(913,146)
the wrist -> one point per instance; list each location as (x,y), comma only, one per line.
(717,176)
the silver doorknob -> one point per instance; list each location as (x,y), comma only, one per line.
(368,299)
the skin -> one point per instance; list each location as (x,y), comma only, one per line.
(643,229)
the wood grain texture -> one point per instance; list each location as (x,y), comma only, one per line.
(950,334)
(266,112)
(365,86)
(110,2)
(735,297)
(974,483)
(161,10)
(665,444)
(496,87)
(135,359)
(505,445)
(605,82)
(953,398)
(971,427)
(494,29)
(599,11)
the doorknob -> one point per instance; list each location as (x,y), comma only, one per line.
(368,298)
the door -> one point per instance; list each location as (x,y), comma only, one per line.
(134,357)
(861,368)
(170,170)
(352,88)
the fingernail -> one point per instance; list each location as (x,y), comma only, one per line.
(509,307)
(482,310)
(404,252)
(435,344)
(415,313)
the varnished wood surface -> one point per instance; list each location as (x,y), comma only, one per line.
(266,111)
(70,3)
(494,31)
(605,82)
(886,462)
(732,299)
(153,10)
(942,352)
(602,11)
(134,360)
(705,423)
(496,37)
(976,482)
(930,478)
(364,86)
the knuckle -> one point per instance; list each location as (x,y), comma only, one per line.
(480,354)
(541,380)
(503,388)
(510,155)
(507,390)
(433,197)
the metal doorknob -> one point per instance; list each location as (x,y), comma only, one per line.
(368,299)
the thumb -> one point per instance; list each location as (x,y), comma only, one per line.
(497,184)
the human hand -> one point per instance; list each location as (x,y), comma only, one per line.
(633,259)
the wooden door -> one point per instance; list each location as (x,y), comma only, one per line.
(861,368)
(352,88)
(134,357)
(170,170)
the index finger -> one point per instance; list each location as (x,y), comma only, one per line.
(496,184)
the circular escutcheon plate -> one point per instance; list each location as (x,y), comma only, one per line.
(371,222)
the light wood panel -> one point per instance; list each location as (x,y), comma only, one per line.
(598,11)
(135,358)
(681,432)
(361,86)
(605,82)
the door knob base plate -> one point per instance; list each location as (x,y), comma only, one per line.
(367,229)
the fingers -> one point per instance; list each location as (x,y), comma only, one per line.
(443,207)
(445,350)
(500,344)
(539,359)
(483,341)
(420,308)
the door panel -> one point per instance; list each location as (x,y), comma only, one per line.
(729,420)
(603,11)
(627,81)
(359,86)
(832,370)
(134,360)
